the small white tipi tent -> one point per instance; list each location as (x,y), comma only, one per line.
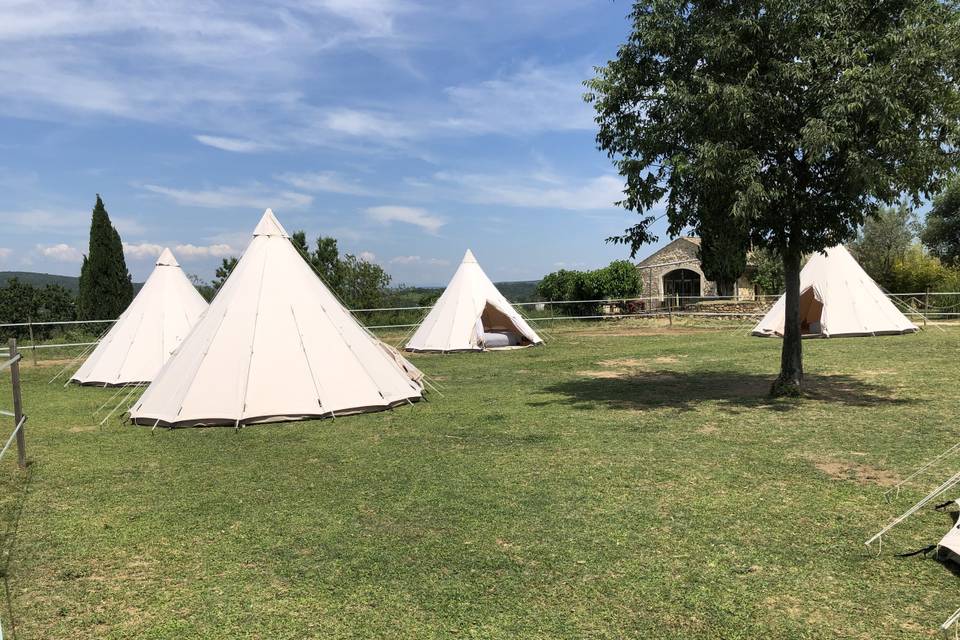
(471,315)
(145,335)
(838,298)
(275,345)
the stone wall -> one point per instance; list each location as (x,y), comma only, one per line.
(679,254)
(682,254)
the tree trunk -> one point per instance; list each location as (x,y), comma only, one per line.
(791,357)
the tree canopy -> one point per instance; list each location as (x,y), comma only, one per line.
(22,302)
(619,279)
(802,117)
(883,242)
(942,231)
(105,285)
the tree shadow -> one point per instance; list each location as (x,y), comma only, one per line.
(732,390)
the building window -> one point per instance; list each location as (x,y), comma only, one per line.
(681,282)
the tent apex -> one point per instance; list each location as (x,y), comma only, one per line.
(166,259)
(270,226)
(469,257)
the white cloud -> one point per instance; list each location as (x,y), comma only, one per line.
(256,196)
(530,191)
(418,260)
(326,181)
(210,250)
(236,145)
(61,252)
(150,251)
(5,253)
(408,215)
(369,256)
(142,251)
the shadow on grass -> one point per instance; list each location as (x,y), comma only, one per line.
(685,390)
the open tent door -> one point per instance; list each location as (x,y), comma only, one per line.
(811,310)
(499,330)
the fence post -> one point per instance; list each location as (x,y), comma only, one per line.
(926,306)
(17,406)
(33,343)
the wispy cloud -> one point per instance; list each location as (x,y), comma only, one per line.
(408,215)
(216,66)
(235,145)
(46,219)
(536,192)
(369,256)
(419,260)
(367,124)
(253,196)
(533,99)
(61,252)
(325,181)
(5,253)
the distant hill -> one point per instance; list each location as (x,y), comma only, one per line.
(403,296)
(519,291)
(72,283)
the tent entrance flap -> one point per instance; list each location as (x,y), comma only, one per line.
(810,311)
(499,330)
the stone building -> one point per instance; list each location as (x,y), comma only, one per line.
(674,271)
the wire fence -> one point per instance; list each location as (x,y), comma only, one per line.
(922,307)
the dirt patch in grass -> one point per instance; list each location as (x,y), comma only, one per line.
(82,429)
(639,331)
(708,429)
(859,473)
(604,374)
(637,363)
(45,362)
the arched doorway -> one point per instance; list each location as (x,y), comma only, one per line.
(681,282)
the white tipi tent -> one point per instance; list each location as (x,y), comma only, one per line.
(838,298)
(275,345)
(145,335)
(471,315)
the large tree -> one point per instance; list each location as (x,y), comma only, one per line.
(883,241)
(105,285)
(808,115)
(941,234)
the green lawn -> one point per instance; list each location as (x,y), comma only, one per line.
(618,482)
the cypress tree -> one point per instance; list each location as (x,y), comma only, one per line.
(105,285)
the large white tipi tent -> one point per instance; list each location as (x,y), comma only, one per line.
(472,315)
(838,298)
(145,335)
(275,345)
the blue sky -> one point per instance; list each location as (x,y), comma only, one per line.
(407,129)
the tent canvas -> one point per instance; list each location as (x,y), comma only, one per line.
(472,315)
(150,329)
(838,298)
(275,345)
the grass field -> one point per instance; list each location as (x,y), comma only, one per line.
(622,481)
